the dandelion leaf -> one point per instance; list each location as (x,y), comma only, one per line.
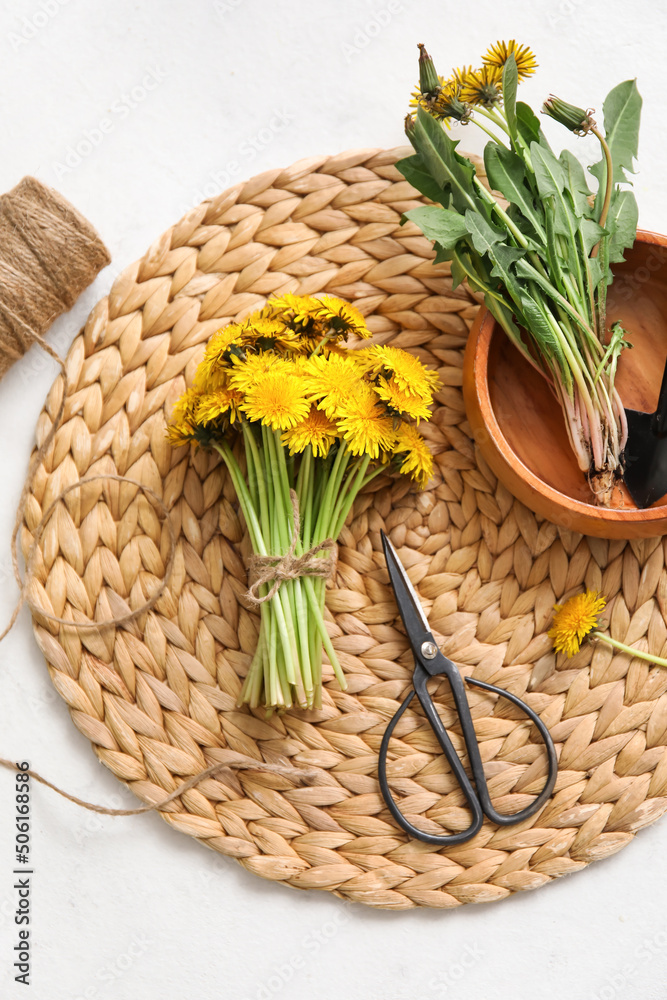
(507,173)
(510,83)
(622,113)
(452,172)
(441,225)
(622,224)
(416,173)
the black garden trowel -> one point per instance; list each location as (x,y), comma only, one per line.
(646,452)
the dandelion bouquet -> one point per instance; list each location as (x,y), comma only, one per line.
(315,422)
(543,262)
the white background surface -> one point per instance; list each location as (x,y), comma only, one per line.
(126,907)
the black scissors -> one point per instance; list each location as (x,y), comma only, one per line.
(430,662)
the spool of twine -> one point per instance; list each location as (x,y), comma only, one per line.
(48,255)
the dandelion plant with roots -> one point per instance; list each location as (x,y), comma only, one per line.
(543,263)
(302,423)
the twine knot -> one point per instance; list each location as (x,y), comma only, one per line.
(289,566)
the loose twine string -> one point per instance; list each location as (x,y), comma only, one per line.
(48,254)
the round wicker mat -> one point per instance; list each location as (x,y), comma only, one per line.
(157,697)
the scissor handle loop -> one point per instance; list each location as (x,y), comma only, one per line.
(429,838)
(479,803)
(504,819)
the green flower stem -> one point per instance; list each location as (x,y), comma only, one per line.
(261,666)
(303,482)
(323,471)
(287,665)
(581,299)
(254,473)
(292,588)
(282,522)
(321,627)
(492,117)
(658,660)
(576,370)
(273,683)
(295,588)
(351,497)
(245,500)
(600,397)
(320,345)
(259,546)
(330,493)
(588,281)
(281,530)
(258,466)
(340,497)
(519,144)
(609,185)
(306,520)
(492,135)
(279,543)
(371,476)
(279,452)
(562,301)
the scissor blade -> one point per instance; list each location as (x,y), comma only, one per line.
(409,605)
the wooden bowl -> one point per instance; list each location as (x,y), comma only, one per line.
(519,426)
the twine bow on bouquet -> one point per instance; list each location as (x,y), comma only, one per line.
(303,423)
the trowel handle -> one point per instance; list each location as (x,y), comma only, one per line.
(660,415)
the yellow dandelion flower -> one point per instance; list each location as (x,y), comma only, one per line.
(458,78)
(482,86)
(331,347)
(183,424)
(418,461)
(266,332)
(331,380)
(498,54)
(210,374)
(245,372)
(402,403)
(363,425)
(574,620)
(212,405)
(409,374)
(277,399)
(316,430)
(297,309)
(342,317)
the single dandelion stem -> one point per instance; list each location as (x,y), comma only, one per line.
(609,166)
(602,637)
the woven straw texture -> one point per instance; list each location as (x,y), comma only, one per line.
(156,697)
